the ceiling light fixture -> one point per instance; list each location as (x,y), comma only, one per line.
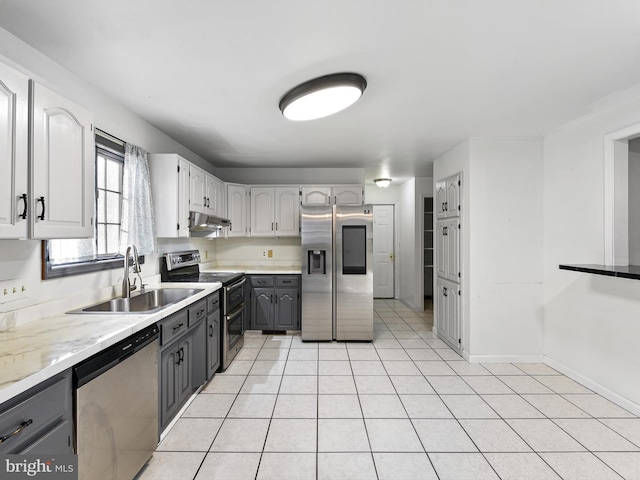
(382,182)
(322,96)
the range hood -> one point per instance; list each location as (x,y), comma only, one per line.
(201,222)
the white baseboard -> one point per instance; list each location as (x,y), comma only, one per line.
(596,387)
(504,358)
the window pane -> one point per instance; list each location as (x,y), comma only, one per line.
(102,240)
(64,251)
(100,166)
(113,207)
(101,215)
(114,175)
(113,238)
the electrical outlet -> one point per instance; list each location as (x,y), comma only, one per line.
(264,254)
(270,253)
(206,254)
(11,290)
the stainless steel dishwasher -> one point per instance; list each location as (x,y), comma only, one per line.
(116,408)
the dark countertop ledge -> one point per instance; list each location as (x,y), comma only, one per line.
(622,271)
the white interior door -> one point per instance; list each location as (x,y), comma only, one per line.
(383,251)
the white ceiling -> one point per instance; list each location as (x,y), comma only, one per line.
(210,73)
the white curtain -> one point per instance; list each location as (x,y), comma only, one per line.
(138,223)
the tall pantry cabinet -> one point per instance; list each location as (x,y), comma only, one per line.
(448,267)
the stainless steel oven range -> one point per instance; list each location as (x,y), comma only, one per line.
(185,267)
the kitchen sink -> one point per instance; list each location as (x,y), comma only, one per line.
(150,301)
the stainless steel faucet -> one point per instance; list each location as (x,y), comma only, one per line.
(127,288)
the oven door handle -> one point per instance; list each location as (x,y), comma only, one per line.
(237,312)
(239,284)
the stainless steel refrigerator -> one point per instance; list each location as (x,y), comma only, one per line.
(337,272)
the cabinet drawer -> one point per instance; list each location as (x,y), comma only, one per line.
(54,442)
(213,303)
(287,281)
(173,327)
(197,312)
(36,413)
(262,281)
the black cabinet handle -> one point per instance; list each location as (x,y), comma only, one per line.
(199,313)
(211,330)
(181,354)
(276,225)
(230,226)
(22,426)
(444,292)
(286,281)
(272,226)
(23,215)
(41,216)
(178,327)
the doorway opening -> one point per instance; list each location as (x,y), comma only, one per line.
(428,249)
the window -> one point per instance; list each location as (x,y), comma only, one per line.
(72,257)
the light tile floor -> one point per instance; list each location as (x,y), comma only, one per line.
(403,407)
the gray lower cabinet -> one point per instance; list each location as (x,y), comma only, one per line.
(213,334)
(274,302)
(186,349)
(40,420)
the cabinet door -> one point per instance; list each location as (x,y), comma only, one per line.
(441,199)
(441,309)
(237,210)
(197,189)
(452,250)
(286,309)
(185,366)
(213,343)
(62,167)
(220,195)
(262,309)
(441,249)
(210,206)
(169,371)
(14,94)
(316,195)
(183,198)
(348,195)
(262,209)
(453,316)
(287,209)
(453,196)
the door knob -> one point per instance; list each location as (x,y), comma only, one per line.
(391,256)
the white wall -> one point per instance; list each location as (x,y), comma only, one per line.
(292,176)
(249,251)
(634,203)
(591,323)
(406,234)
(20,261)
(505,253)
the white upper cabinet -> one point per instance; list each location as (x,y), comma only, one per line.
(287,211)
(237,210)
(206,192)
(170,184)
(336,195)
(448,197)
(348,194)
(275,211)
(14,123)
(197,189)
(62,167)
(215,196)
(262,204)
(316,196)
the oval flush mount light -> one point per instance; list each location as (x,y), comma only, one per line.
(322,96)
(382,182)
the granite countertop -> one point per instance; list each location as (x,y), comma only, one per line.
(38,350)
(255,270)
